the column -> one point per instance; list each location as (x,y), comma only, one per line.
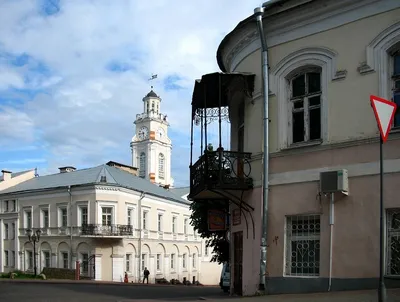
(152,268)
(117,268)
(97,267)
(166,266)
(16,246)
(138,268)
(54,260)
(179,260)
(1,245)
(73,261)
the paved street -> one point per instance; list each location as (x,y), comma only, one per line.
(48,292)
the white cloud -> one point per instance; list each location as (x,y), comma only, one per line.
(85,112)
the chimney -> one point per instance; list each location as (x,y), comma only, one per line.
(6,174)
(67,169)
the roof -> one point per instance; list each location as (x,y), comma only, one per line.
(182,191)
(114,176)
(112,163)
(152,94)
(16,174)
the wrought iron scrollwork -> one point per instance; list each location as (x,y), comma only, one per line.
(107,230)
(393,242)
(210,114)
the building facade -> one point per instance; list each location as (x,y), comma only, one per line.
(9,179)
(108,219)
(325,60)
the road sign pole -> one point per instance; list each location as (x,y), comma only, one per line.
(381,288)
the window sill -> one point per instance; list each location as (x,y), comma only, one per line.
(304,144)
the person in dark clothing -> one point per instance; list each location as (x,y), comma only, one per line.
(146,274)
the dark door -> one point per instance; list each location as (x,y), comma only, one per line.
(238,262)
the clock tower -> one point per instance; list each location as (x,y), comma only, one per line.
(151,148)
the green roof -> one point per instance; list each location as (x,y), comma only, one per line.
(114,177)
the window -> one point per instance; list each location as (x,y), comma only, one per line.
(14,206)
(396,86)
(302,245)
(393,242)
(45,218)
(174,224)
(6,231)
(160,222)
(128,262)
(64,259)
(84,216)
(28,219)
(85,263)
(161,165)
(241,114)
(46,258)
(205,250)
(305,103)
(185,222)
(158,262)
(106,217)
(29,255)
(184,261)
(129,216)
(13,230)
(64,217)
(142,165)
(172,261)
(144,220)
(6,206)
(13,258)
(143,261)
(6,262)
(194,260)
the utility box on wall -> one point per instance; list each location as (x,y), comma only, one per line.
(334,181)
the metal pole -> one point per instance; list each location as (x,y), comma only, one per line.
(381,289)
(258,12)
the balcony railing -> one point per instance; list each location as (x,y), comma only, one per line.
(221,170)
(118,230)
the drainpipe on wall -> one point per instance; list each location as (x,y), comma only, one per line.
(142,194)
(331,223)
(70,226)
(258,13)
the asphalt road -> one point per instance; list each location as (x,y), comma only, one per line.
(46,292)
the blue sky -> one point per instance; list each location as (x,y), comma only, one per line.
(73,74)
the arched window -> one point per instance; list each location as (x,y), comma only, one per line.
(161,165)
(142,165)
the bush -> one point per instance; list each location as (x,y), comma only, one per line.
(59,273)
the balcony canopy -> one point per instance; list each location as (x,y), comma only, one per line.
(215,89)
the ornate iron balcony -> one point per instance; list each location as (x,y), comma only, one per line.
(220,170)
(118,230)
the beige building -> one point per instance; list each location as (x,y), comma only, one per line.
(108,219)
(325,59)
(9,179)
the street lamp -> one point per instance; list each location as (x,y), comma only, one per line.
(34,238)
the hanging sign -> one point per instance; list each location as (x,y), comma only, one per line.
(216,220)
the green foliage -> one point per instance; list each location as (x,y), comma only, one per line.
(199,221)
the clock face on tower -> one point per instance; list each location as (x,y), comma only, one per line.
(143,133)
(160,133)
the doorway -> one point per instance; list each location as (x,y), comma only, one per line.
(238,262)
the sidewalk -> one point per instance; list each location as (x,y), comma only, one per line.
(393,295)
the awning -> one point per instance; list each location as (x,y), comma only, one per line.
(214,89)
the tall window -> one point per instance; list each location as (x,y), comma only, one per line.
(6,206)
(142,165)
(305,103)
(161,165)
(184,260)
(84,215)
(144,220)
(160,222)
(28,219)
(107,216)
(64,259)
(143,261)
(6,260)
(128,262)
(13,258)
(64,217)
(206,250)
(158,262)
(14,205)
(302,245)
(29,262)
(185,226)
(6,230)
(129,216)
(45,218)
(172,261)
(13,230)
(174,224)
(194,260)
(396,86)
(85,263)
(46,258)
(241,114)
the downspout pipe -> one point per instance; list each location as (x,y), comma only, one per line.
(142,194)
(258,13)
(70,227)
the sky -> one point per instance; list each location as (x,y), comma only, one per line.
(73,74)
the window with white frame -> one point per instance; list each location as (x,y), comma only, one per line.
(172,263)
(29,259)
(305,104)
(395,59)
(46,259)
(302,245)
(161,165)
(393,242)
(6,259)
(14,205)
(185,226)
(84,215)
(159,222)
(184,260)
(128,262)
(64,260)
(63,217)
(6,231)
(194,260)
(13,230)
(145,214)
(142,165)
(28,219)
(106,215)
(13,258)
(6,206)
(129,213)
(45,218)
(85,263)
(144,260)
(174,225)
(158,262)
